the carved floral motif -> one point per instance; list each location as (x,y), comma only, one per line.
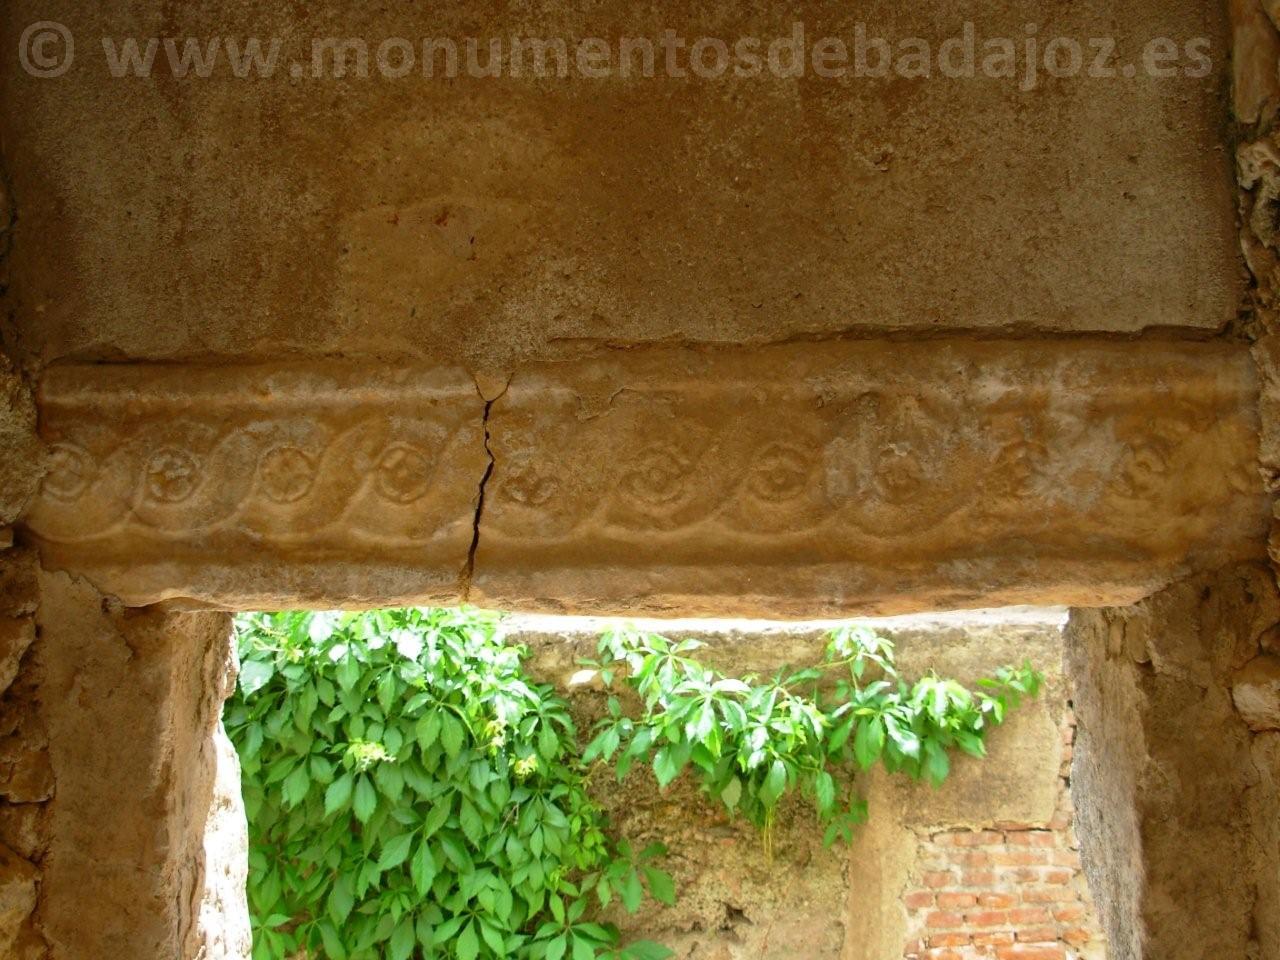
(287,474)
(171,475)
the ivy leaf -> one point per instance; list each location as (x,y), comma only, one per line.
(732,793)
(390,780)
(254,675)
(468,944)
(427,730)
(493,937)
(451,734)
(936,764)
(903,737)
(661,886)
(366,799)
(824,788)
(403,940)
(840,735)
(631,893)
(341,900)
(556,947)
(868,742)
(296,785)
(422,869)
(332,942)
(547,742)
(646,950)
(774,783)
(665,767)
(395,851)
(471,822)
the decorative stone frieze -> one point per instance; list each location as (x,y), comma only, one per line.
(801,479)
(262,485)
(869,476)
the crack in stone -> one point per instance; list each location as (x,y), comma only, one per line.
(470,569)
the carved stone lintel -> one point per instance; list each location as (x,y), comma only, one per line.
(870,477)
(262,486)
(794,480)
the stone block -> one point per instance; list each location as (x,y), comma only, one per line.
(1256,693)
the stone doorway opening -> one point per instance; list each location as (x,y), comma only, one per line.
(659,481)
(986,866)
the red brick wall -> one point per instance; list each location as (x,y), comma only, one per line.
(1009,892)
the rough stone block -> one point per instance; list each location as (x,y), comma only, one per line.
(263,487)
(497,219)
(16,637)
(1256,693)
(19,881)
(868,477)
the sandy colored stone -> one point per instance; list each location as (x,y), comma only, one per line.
(19,881)
(222,930)
(1255,690)
(798,480)
(1175,801)
(24,828)
(868,477)
(498,220)
(1255,54)
(15,637)
(21,454)
(132,702)
(263,487)
(19,594)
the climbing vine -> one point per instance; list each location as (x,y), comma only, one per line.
(750,743)
(412,793)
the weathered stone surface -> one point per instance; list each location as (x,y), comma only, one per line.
(498,219)
(1255,690)
(20,449)
(1176,801)
(262,486)
(132,701)
(15,638)
(802,479)
(1255,51)
(868,476)
(19,881)
(222,930)
(24,828)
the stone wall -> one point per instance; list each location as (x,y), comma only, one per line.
(494,221)
(132,700)
(867,902)
(26,774)
(633,292)
(1176,796)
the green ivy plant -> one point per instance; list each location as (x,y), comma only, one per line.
(412,794)
(751,742)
